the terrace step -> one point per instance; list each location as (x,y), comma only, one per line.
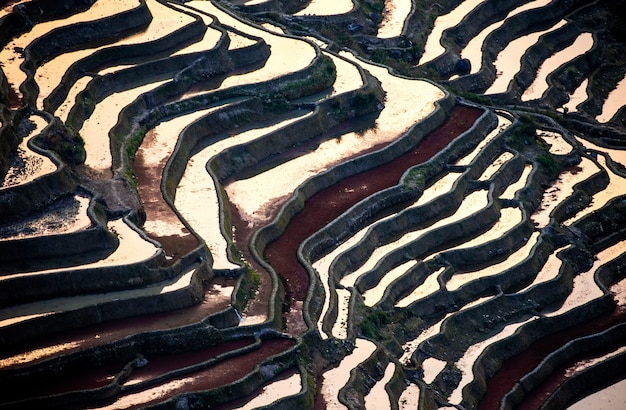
(229,132)
(23,322)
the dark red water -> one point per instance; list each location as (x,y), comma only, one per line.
(158,365)
(218,375)
(516,367)
(331,202)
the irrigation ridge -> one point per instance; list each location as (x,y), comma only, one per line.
(347,204)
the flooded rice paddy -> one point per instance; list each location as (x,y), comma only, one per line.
(508,62)
(394,15)
(282,206)
(433,47)
(473,50)
(614,102)
(581,45)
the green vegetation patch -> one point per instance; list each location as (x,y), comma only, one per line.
(549,164)
(521,136)
(373,323)
(65,141)
(248,286)
(415,179)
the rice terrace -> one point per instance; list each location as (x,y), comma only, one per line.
(310,204)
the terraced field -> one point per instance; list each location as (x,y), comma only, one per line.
(348,204)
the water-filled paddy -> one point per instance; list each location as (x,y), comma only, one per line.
(473,50)
(614,102)
(334,379)
(509,62)
(581,45)
(111,199)
(433,47)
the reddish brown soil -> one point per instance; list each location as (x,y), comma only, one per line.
(536,398)
(227,371)
(319,210)
(148,179)
(163,364)
(516,367)
(331,202)
(97,377)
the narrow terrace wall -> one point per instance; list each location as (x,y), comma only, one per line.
(527,383)
(77,35)
(601,82)
(610,219)
(424,19)
(4,96)
(570,389)
(333,233)
(60,321)
(444,205)
(209,126)
(93,239)
(590,378)
(351,167)
(475,21)
(14,24)
(428,243)
(305,399)
(363,378)
(550,43)
(557,289)
(36,194)
(565,80)
(262,373)
(66,283)
(343,170)
(582,195)
(235,159)
(513,28)
(104,86)
(149,345)
(118,55)
(57,245)
(144,112)
(478,255)
(9,140)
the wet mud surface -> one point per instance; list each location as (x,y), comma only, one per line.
(405,335)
